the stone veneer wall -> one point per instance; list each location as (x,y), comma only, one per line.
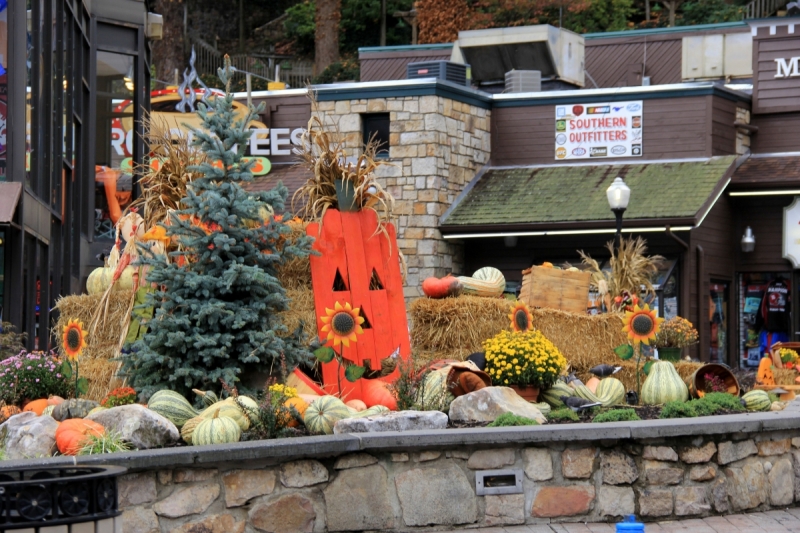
(436,147)
(564,481)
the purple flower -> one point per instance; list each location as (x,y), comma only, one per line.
(37,380)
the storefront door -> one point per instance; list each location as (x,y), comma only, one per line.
(764,314)
(718,306)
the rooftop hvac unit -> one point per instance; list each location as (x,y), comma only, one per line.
(523,81)
(443,70)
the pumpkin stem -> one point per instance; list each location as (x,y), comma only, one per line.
(199,392)
(216,414)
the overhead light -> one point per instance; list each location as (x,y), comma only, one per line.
(772,192)
(748,240)
(129,80)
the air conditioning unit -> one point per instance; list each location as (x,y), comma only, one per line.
(523,81)
(443,70)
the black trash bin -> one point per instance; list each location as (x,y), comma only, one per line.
(65,499)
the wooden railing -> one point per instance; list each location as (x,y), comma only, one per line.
(758,9)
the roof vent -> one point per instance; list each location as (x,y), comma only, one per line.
(523,81)
(443,70)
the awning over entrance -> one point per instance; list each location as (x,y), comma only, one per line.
(557,199)
(9,198)
(768,171)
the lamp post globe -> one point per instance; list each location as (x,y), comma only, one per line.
(618,194)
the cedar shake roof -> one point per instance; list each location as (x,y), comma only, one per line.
(292,176)
(669,192)
(768,170)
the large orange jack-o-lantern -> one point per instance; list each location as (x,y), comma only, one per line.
(358,263)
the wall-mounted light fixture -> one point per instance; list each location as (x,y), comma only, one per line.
(748,240)
(510,241)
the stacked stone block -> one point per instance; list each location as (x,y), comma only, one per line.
(436,147)
(407,491)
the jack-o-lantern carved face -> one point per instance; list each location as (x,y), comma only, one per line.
(358,264)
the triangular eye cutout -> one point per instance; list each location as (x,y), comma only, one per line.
(375,282)
(338,282)
(366,324)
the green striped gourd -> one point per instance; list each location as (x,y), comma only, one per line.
(487,281)
(172,406)
(663,385)
(552,396)
(543,407)
(323,413)
(757,400)
(49,410)
(375,410)
(209,397)
(611,391)
(188,428)
(582,391)
(216,430)
(247,405)
(228,409)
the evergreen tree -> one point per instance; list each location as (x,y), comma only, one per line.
(217,301)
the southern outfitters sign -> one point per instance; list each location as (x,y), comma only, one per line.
(592,131)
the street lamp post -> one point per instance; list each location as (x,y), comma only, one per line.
(618,195)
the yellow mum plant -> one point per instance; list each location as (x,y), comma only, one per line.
(523,358)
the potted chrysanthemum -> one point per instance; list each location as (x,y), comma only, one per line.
(675,334)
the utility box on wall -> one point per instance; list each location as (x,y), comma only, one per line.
(717,56)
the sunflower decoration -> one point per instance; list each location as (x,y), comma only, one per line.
(641,324)
(74,339)
(342,324)
(521,317)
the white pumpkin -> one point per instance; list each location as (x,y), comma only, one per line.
(101,277)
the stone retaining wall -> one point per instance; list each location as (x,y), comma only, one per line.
(414,480)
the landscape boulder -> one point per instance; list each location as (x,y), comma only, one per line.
(486,404)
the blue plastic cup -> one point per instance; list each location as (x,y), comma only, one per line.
(630,525)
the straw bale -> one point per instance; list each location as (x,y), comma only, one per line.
(784,376)
(295,273)
(83,306)
(456,326)
(301,312)
(101,376)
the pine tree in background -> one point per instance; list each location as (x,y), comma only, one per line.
(217,302)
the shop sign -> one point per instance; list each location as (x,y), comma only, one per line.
(787,68)
(791,232)
(592,131)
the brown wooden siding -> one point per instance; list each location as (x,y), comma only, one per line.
(765,216)
(776,133)
(723,134)
(716,237)
(392,65)
(770,94)
(620,64)
(674,128)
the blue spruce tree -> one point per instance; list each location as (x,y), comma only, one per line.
(217,301)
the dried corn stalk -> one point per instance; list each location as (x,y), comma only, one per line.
(631,270)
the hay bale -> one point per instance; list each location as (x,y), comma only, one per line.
(295,273)
(456,327)
(301,312)
(784,376)
(585,340)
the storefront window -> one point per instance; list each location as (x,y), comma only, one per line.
(718,318)
(115,138)
(764,314)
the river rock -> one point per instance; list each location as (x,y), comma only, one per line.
(486,404)
(618,468)
(698,454)
(728,452)
(616,501)
(138,425)
(748,486)
(289,513)
(398,421)
(538,463)
(439,494)
(29,436)
(359,499)
(691,501)
(781,483)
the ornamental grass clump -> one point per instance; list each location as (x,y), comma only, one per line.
(510,419)
(565,413)
(523,358)
(30,375)
(617,415)
(677,332)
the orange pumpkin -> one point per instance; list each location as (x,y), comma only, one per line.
(71,434)
(36,406)
(765,374)
(441,288)
(300,405)
(55,400)
(592,384)
(7,411)
(358,405)
(376,392)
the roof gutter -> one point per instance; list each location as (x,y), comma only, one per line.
(648,229)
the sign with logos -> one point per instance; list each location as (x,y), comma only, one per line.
(596,131)
(791,232)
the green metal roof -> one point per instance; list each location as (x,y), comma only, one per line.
(673,29)
(576,193)
(404,48)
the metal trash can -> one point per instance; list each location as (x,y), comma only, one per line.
(63,499)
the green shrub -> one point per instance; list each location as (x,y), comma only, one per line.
(565,413)
(510,419)
(704,407)
(773,397)
(617,415)
(678,409)
(725,401)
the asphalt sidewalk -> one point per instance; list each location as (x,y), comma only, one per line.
(766,522)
